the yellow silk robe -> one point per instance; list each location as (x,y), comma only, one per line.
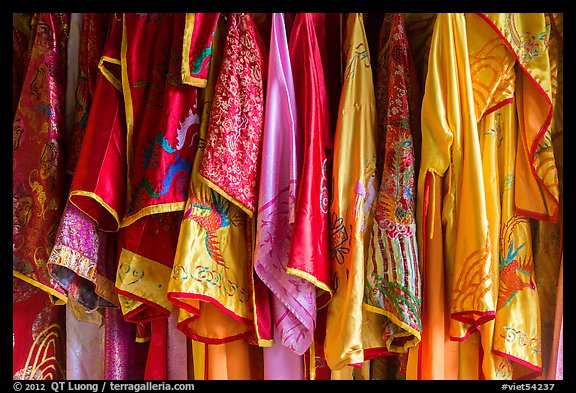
(482,58)
(350,329)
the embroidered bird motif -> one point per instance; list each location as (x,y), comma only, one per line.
(515,275)
(211,216)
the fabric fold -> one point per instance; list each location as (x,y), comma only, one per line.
(294,299)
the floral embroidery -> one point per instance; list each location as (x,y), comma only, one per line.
(232,149)
(527,45)
(339,239)
(393,282)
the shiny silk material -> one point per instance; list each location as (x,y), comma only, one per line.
(197,47)
(393,280)
(231,158)
(528,278)
(210,280)
(93,36)
(309,250)
(38,188)
(352,334)
(528,36)
(99,183)
(162,115)
(450,148)
(294,299)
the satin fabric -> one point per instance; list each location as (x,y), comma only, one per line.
(176,352)
(293,307)
(527,36)
(235,360)
(436,356)
(98,187)
(281,363)
(450,148)
(354,193)
(556,362)
(493,84)
(548,236)
(38,185)
(93,34)
(210,281)
(197,47)
(521,262)
(38,334)
(309,250)
(162,115)
(393,279)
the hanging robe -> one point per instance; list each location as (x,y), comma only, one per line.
(353,334)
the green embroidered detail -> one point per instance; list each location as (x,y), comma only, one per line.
(197,63)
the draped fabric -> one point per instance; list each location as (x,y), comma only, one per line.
(393,280)
(353,196)
(83,260)
(197,47)
(38,325)
(293,304)
(309,249)
(72,52)
(38,334)
(528,37)
(210,279)
(231,157)
(450,148)
(253,196)
(124,358)
(506,263)
(38,185)
(98,186)
(93,34)
(556,362)
(84,345)
(176,353)
(21,34)
(436,356)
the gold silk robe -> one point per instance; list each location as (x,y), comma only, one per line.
(353,334)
